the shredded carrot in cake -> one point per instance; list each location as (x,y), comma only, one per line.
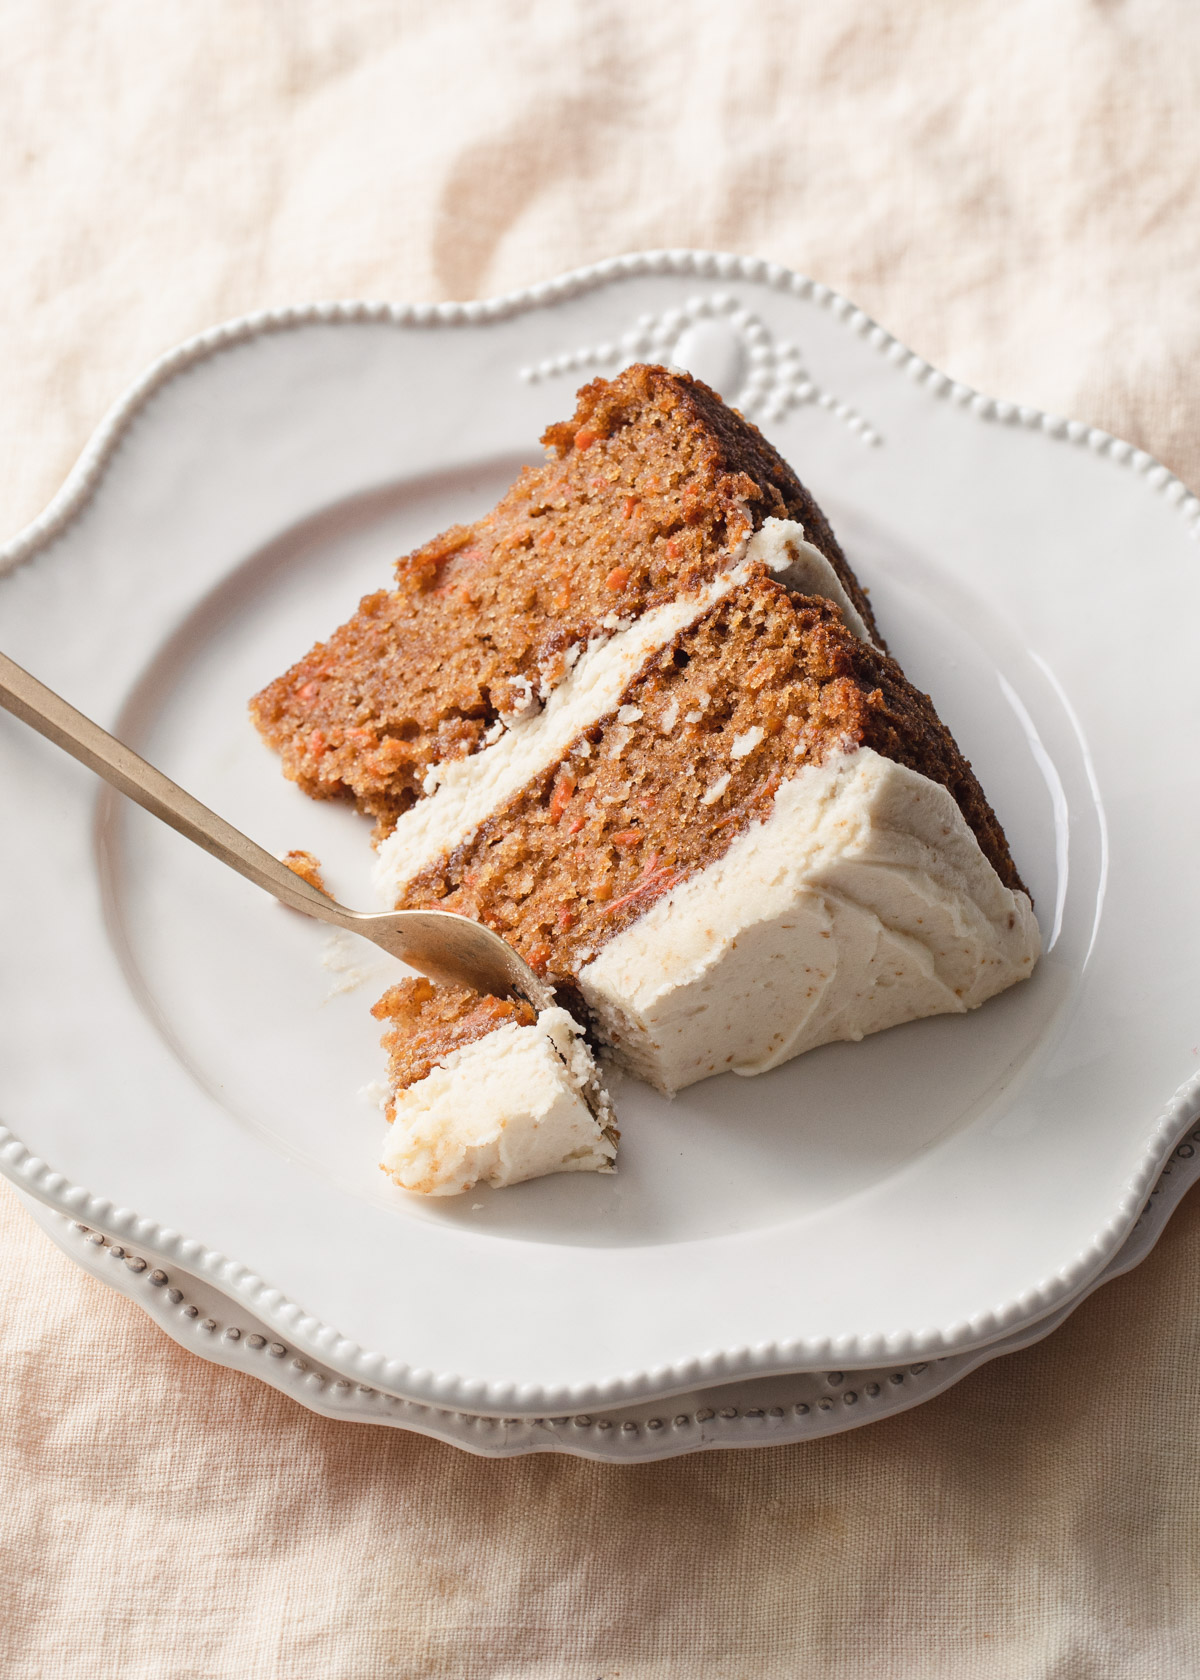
(648,490)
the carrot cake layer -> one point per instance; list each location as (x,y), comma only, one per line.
(487,1090)
(650,491)
(619,839)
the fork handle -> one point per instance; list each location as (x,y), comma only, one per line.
(121,767)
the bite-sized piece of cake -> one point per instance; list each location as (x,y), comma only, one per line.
(649,492)
(728,839)
(487,1090)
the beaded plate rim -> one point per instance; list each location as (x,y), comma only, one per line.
(51,1187)
(84,478)
(739,1414)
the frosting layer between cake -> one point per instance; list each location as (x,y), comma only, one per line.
(509,1106)
(862,901)
(470,789)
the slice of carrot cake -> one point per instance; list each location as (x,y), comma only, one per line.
(640,720)
(487,1090)
(759,840)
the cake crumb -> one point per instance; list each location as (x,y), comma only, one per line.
(308,866)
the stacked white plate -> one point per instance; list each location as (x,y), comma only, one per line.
(777,1257)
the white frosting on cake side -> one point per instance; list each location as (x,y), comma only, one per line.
(506,1107)
(863,900)
(470,789)
(781,545)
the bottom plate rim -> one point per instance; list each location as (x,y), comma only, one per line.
(184,1306)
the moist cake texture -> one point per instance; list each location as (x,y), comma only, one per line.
(648,491)
(427,1023)
(485,1090)
(704,736)
(766,841)
(640,720)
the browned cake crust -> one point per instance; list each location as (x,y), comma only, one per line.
(428,1023)
(763,683)
(644,493)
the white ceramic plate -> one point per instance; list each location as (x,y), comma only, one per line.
(755,1412)
(174,1068)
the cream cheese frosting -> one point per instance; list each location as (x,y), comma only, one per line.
(519,1103)
(862,901)
(780,544)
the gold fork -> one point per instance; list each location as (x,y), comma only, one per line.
(449,948)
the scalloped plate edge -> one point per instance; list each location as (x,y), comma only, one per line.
(85,476)
(30,1173)
(738,1415)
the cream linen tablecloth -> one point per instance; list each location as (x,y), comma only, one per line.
(1011,188)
